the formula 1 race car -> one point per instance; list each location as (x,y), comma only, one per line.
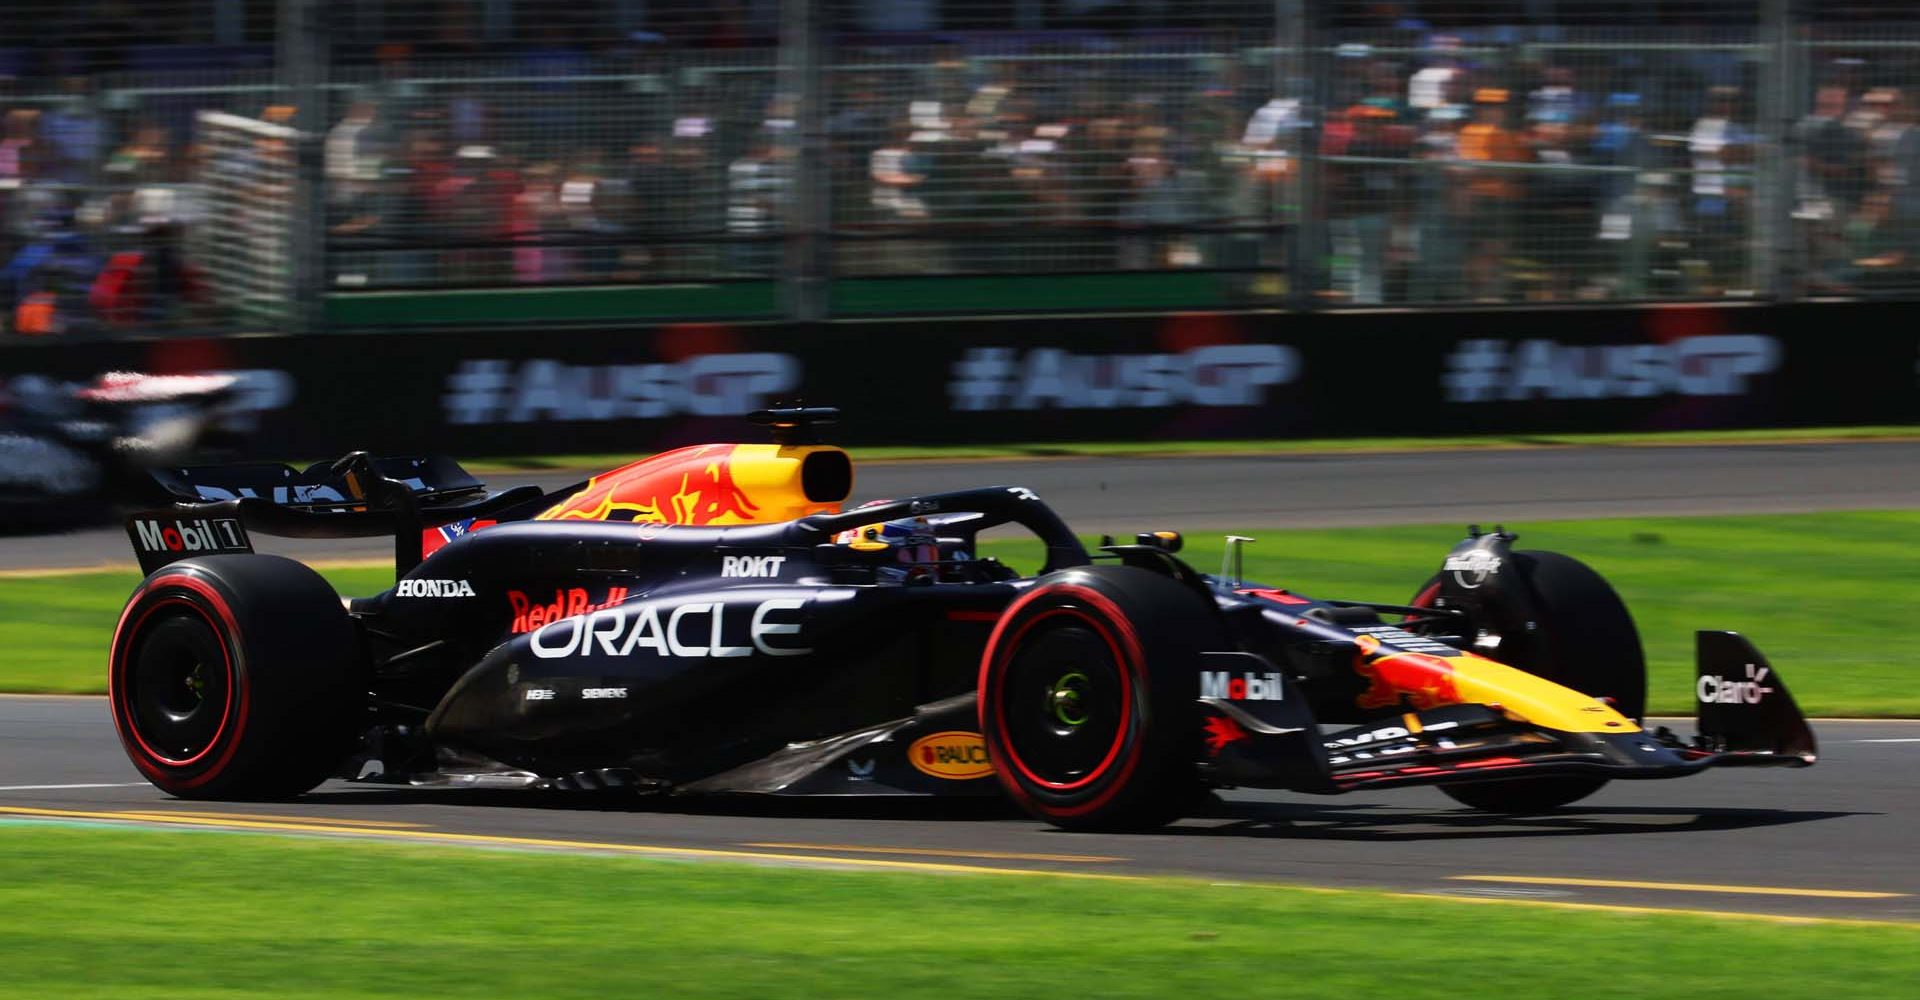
(70,451)
(709,620)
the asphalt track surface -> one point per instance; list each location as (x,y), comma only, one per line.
(1834,841)
(1125,495)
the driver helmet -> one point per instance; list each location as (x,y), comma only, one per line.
(914,546)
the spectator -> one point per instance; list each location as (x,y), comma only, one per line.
(1362,194)
(537,204)
(1833,178)
(1161,200)
(1902,178)
(1557,100)
(1493,193)
(1436,84)
(1722,152)
(22,154)
(1105,178)
(354,154)
(758,186)
(48,281)
(1639,216)
(1620,140)
(419,206)
(897,174)
(483,209)
(696,192)
(76,136)
(648,216)
(1561,205)
(1442,221)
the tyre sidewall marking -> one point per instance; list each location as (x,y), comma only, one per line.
(149,761)
(1128,655)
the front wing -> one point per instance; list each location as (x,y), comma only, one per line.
(1746,718)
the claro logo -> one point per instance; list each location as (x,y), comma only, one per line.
(692,629)
(1714,689)
(1495,371)
(492,391)
(1004,378)
(954,755)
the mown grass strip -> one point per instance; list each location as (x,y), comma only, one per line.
(123,914)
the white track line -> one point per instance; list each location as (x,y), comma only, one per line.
(52,788)
(1884,741)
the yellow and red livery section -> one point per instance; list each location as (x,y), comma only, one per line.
(1428,681)
(709,484)
(714,484)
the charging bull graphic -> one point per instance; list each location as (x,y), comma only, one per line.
(693,486)
(1425,681)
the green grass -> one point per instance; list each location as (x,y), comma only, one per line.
(1828,597)
(1068,449)
(120,914)
(56,628)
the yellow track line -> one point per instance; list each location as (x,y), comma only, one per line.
(488,840)
(1744,890)
(1665,911)
(937,853)
(164,814)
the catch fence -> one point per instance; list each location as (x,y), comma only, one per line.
(810,158)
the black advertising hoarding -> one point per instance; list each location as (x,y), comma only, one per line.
(1175,377)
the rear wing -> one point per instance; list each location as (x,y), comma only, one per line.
(216,507)
(321,486)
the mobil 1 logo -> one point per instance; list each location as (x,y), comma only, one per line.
(159,539)
(1246,686)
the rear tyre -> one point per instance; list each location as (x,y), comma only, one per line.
(235,677)
(1087,698)
(1582,637)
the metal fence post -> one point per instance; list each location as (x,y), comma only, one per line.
(1777,269)
(804,266)
(302,59)
(1305,259)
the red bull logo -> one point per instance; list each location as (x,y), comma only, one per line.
(1423,680)
(692,486)
(1222,731)
(530,613)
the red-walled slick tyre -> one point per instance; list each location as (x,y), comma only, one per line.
(1087,695)
(235,677)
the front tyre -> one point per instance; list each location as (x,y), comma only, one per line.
(1087,698)
(235,677)
(1577,633)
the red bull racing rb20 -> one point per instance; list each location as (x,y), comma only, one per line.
(712,621)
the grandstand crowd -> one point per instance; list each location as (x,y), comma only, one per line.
(1483,163)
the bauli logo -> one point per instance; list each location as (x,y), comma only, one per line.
(955,755)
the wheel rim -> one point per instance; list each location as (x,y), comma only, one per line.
(178,686)
(1068,697)
(1066,704)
